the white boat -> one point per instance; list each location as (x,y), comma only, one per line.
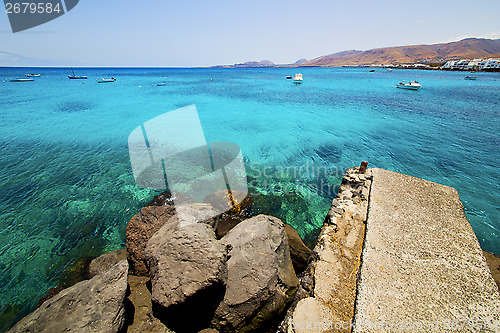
(103,80)
(297,78)
(32,75)
(412,85)
(20,80)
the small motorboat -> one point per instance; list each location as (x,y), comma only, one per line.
(32,75)
(21,80)
(161,84)
(103,80)
(412,85)
(470,78)
(288,77)
(297,78)
(372,71)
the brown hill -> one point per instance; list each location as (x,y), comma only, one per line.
(465,49)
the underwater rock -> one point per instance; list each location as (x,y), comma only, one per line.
(329,153)
(188,271)
(104,262)
(261,279)
(94,305)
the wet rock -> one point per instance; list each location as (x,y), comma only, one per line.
(51,293)
(188,275)
(104,262)
(94,305)
(166,199)
(299,252)
(140,229)
(261,279)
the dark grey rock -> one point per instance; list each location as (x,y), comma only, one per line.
(104,262)
(261,278)
(94,305)
(188,271)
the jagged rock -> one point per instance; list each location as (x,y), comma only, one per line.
(299,252)
(188,271)
(150,219)
(140,297)
(140,229)
(104,262)
(94,305)
(261,279)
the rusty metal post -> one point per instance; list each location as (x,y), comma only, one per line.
(363,167)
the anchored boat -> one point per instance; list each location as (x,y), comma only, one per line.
(297,78)
(74,77)
(21,80)
(103,80)
(412,85)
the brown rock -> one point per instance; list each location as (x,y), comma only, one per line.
(140,229)
(188,273)
(95,305)
(104,262)
(299,252)
(261,279)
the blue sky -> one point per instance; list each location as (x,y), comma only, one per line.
(203,33)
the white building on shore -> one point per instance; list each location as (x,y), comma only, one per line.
(466,64)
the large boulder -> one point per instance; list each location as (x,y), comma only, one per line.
(95,305)
(150,219)
(104,262)
(299,252)
(188,271)
(261,278)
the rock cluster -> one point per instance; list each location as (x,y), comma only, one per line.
(199,274)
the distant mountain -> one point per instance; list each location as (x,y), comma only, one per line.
(8,59)
(468,48)
(299,62)
(250,64)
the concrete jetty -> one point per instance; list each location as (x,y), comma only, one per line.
(422,267)
(396,254)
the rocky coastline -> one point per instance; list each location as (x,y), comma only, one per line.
(230,273)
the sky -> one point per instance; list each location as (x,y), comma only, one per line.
(204,33)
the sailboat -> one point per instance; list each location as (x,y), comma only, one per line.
(74,77)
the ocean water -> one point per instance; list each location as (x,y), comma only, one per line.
(67,191)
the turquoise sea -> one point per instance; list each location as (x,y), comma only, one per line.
(67,191)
